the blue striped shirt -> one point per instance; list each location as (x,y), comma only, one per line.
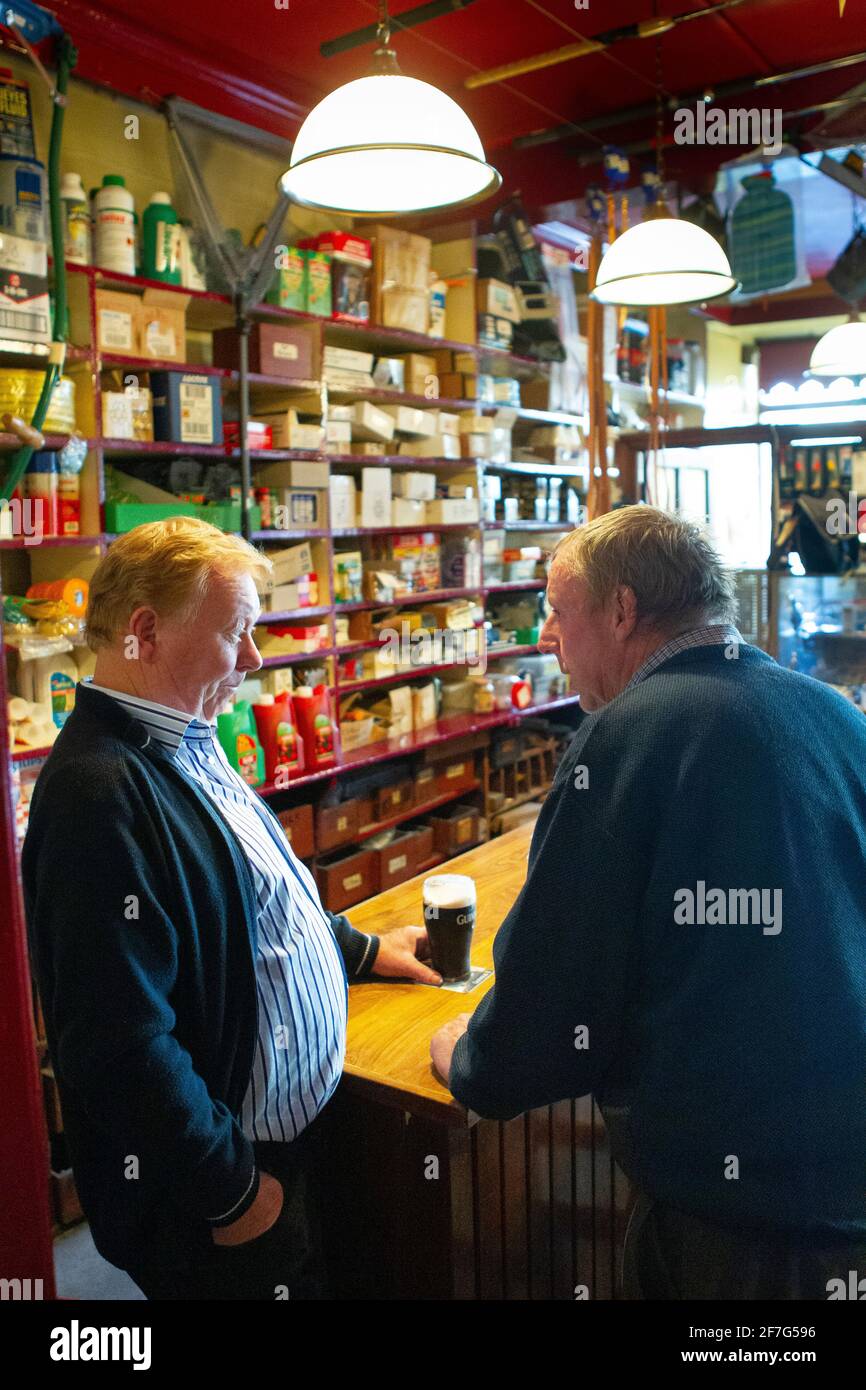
(300,976)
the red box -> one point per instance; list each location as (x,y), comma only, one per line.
(348,244)
(287,350)
(259,435)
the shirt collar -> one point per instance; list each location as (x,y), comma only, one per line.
(166,726)
(711,634)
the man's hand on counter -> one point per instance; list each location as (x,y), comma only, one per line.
(402,955)
(443,1043)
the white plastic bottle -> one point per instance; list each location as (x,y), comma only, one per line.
(115,226)
(76,220)
(51,681)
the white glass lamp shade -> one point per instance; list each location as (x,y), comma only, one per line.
(663,261)
(387,144)
(841,352)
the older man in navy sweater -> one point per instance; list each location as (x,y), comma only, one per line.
(690,942)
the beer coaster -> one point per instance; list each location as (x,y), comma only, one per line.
(477,976)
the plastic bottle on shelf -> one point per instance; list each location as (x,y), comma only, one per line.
(160,243)
(283,749)
(76,220)
(316,725)
(41,488)
(115,225)
(236,731)
(51,681)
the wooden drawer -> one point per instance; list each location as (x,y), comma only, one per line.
(368,810)
(455,829)
(297,822)
(336,825)
(455,748)
(400,859)
(455,775)
(346,877)
(396,797)
(426,784)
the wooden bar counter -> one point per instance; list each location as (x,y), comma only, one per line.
(424,1199)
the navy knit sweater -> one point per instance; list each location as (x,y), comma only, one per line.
(729,1056)
(142,918)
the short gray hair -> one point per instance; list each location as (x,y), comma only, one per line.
(677,577)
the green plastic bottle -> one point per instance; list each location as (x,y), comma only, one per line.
(236,731)
(160,245)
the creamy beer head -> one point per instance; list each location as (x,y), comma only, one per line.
(449,891)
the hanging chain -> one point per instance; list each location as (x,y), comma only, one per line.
(383,28)
(660,119)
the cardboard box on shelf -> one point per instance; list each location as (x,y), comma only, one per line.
(339,380)
(284,598)
(304,508)
(371,423)
(371,450)
(471,423)
(187,407)
(400,258)
(535,393)
(288,432)
(338,437)
(162,325)
(343,501)
(438,446)
(300,473)
(117,415)
(476,446)
(375,497)
(453,510)
(292,351)
(406,511)
(289,564)
(498,298)
(347,359)
(408,420)
(457,386)
(420,376)
(446,421)
(118,322)
(418,486)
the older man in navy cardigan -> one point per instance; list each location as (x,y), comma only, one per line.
(690,942)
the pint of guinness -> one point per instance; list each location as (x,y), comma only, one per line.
(449,916)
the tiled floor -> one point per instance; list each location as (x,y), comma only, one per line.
(81,1272)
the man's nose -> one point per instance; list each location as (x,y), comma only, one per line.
(546,641)
(250,658)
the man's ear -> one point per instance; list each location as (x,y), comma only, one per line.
(624,612)
(143,626)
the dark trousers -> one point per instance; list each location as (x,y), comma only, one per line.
(669,1254)
(285,1263)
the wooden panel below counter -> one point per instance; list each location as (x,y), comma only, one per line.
(424,1201)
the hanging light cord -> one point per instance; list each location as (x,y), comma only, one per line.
(383,28)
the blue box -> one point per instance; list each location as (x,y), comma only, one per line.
(187,408)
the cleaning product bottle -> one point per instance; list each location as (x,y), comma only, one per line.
(51,680)
(236,731)
(76,220)
(316,725)
(283,749)
(41,488)
(115,225)
(160,246)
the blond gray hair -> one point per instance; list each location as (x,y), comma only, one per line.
(164,565)
(676,575)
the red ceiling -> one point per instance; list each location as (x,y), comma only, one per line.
(261,63)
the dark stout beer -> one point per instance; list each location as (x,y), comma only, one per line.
(449,916)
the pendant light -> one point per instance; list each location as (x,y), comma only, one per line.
(386,144)
(841,351)
(662,260)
